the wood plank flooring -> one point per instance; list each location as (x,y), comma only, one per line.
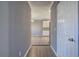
(41,51)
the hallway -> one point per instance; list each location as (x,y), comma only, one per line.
(41,51)
(49,28)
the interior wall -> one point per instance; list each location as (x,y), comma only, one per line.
(19,21)
(4,29)
(53,26)
(37,28)
(78,28)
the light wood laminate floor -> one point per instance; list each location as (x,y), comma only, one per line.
(41,51)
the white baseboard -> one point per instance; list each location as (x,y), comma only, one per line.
(27,50)
(54,51)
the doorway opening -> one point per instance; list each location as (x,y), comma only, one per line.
(40,32)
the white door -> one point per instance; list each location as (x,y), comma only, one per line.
(67,29)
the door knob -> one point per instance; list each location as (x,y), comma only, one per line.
(71,39)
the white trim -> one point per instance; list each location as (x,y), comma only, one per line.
(54,51)
(51,4)
(27,50)
(29,4)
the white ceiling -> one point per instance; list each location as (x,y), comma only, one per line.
(40,9)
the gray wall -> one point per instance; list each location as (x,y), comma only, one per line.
(37,28)
(78,28)
(53,26)
(20,29)
(15,28)
(4,29)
